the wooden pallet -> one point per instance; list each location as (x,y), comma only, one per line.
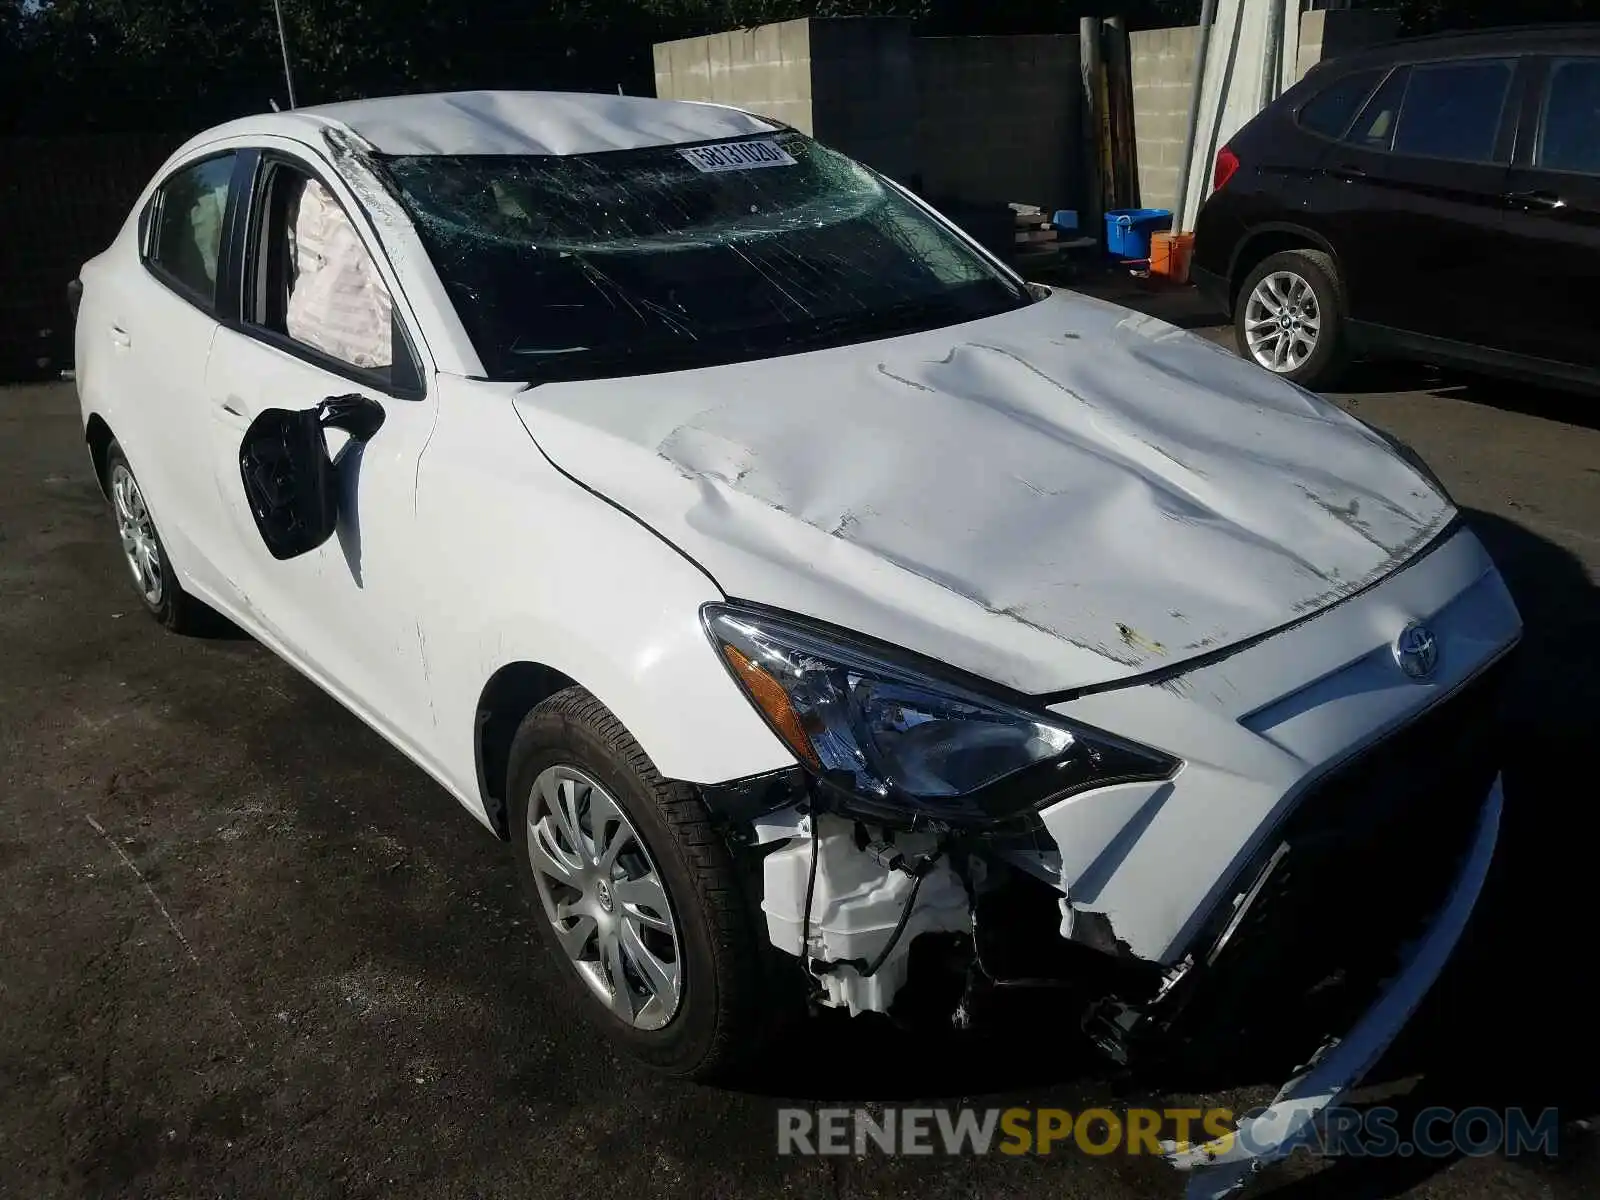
(1033,228)
(1035,241)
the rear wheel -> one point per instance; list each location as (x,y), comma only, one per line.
(154,579)
(1290,317)
(636,894)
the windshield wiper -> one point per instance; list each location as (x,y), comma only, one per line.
(906,316)
(597,362)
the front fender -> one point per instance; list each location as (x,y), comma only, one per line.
(528,566)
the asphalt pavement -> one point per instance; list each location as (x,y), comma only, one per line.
(247,949)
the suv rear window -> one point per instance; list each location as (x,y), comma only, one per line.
(1452,110)
(1332,109)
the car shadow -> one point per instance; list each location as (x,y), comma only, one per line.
(1508,395)
(1493,1031)
(212,626)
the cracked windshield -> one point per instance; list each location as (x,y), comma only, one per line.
(598,265)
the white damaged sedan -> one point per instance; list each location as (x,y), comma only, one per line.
(792,585)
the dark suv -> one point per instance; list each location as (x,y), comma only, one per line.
(1437,199)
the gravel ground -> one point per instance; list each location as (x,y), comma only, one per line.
(247,949)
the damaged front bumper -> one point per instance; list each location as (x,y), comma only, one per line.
(868,901)
(1298,882)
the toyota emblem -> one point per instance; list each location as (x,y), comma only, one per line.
(1416,651)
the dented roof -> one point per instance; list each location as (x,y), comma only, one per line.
(530,122)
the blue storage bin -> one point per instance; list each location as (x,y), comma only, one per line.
(1128,230)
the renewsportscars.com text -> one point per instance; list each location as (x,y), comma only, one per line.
(1368,1132)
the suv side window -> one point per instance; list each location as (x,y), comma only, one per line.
(1452,110)
(1374,128)
(1569,132)
(187,239)
(314,283)
(1332,109)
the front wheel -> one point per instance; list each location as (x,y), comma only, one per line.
(1290,317)
(636,895)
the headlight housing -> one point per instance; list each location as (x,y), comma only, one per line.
(897,742)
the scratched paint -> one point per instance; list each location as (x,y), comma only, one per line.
(1048,514)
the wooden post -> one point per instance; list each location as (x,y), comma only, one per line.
(1119,77)
(1092,215)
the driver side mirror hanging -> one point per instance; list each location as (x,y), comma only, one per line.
(290,483)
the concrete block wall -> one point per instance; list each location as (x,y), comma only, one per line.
(997,119)
(1162,68)
(766,70)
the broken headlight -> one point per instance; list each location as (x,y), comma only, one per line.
(900,742)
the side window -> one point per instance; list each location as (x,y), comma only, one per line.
(1332,109)
(188,226)
(1452,110)
(1374,128)
(314,281)
(1569,134)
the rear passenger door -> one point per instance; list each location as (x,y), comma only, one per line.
(159,323)
(1415,206)
(1553,216)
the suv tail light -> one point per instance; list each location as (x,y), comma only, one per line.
(1227,164)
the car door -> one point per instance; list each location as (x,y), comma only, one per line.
(318,320)
(1553,216)
(1413,201)
(159,323)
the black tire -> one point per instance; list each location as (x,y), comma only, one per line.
(718,1018)
(1330,354)
(175,608)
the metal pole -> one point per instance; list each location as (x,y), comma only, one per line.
(1208,14)
(1272,57)
(283,44)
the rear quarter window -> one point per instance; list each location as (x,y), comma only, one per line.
(1331,110)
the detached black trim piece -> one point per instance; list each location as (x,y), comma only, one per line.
(743,800)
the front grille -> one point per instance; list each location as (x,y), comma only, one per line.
(1358,870)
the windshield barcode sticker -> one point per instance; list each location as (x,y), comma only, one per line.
(737,156)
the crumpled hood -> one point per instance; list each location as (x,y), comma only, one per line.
(1050,498)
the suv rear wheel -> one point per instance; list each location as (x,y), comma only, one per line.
(1290,317)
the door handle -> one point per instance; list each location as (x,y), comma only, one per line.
(1348,171)
(234,407)
(121,337)
(1529,201)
